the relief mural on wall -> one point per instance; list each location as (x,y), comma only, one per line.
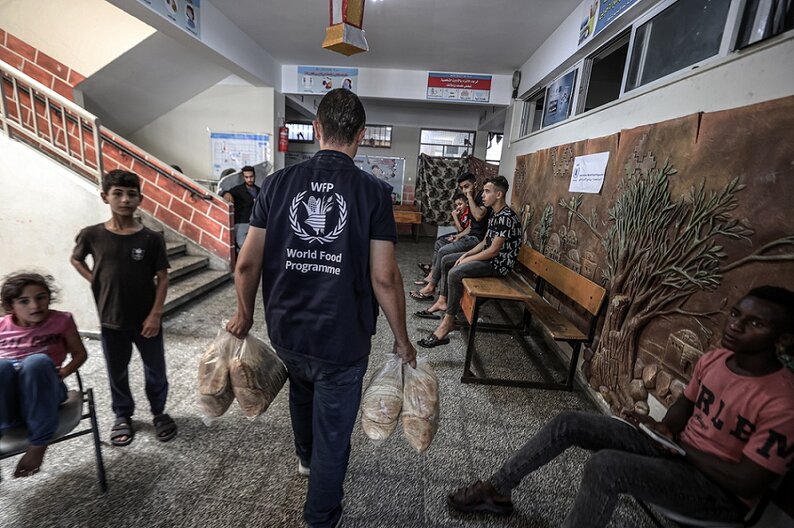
(693,213)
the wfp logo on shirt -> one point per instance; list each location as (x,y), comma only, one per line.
(309,215)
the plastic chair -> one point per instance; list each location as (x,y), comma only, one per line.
(79,406)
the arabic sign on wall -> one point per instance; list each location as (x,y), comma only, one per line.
(598,14)
(185,14)
(588,173)
(234,150)
(461,87)
(321,80)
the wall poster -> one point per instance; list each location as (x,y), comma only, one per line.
(598,14)
(559,99)
(461,87)
(321,80)
(185,14)
(390,170)
(234,150)
(588,173)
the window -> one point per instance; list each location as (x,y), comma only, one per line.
(532,116)
(604,73)
(684,34)
(763,19)
(300,132)
(446,143)
(493,151)
(377,136)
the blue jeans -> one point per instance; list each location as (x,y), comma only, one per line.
(625,462)
(30,394)
(323,404)
(117,347)
(459,246)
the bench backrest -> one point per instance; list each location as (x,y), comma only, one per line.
(576,287)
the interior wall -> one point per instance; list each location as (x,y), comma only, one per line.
(83,34)
(182,136)
(44,207)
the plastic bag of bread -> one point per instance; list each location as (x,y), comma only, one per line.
(214,385)
(257,374)
(382,401)
(420,404)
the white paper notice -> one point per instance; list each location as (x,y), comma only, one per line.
(588,173)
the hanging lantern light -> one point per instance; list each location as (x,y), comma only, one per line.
(345,34)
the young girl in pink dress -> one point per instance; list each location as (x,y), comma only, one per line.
(34,342)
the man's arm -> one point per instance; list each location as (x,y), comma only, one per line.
(462,234)
(486,253)
(387,283)
(82,268)
(228,197)
(477,211)
(458,227)
(677,416)
(151,325)
(744,478)
(247,273)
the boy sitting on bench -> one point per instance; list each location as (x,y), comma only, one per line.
(495,255)
(734,421)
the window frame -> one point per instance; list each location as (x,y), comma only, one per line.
(529,108)
(609,47)
(473,134)
(368,127)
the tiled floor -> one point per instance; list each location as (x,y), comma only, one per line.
(238,473)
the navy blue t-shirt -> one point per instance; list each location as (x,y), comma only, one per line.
(320,216)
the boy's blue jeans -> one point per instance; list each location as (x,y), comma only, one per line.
(117,347)
(323,403)
(30,394)
(625,462)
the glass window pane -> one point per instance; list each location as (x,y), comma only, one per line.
(432,150)
(684,34)
(606,75)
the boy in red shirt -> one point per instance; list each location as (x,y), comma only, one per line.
(735,422)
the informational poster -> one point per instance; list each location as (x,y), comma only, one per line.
(320,80)
(186,14)
(559,99)
(598,14)
(293,158)
(390,170)
(460,87)
(588,173)
(234,150)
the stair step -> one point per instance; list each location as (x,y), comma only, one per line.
(193,286)
(174,249)
(186,264)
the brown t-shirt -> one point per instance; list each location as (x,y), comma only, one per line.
(124,270)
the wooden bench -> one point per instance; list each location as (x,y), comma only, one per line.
(515,288)
(413,217)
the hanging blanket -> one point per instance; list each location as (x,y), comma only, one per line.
(482,170)
(436,182)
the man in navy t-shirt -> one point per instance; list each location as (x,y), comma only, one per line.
(322,237)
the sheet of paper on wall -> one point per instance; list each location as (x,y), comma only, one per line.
(588,173)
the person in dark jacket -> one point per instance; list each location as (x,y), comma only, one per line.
(243,197)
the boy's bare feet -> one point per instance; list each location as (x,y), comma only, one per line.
(439,306)
(30,463)
(428,289)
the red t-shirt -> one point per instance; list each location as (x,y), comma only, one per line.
(19,342)
(465,217)
(741,415)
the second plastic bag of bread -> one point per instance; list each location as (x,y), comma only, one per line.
(257,375)
(420,404)
(382,401)
(214,385)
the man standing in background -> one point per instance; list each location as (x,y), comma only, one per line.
(243,197)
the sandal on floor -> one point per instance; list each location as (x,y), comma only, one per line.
(419,296)
(425,314)
(122,427)
(420,282)
(432,341)
(480,497)
(424,267)
(165,427)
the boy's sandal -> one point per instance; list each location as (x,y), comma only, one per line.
(420,282)
(426,314)
(424,267)
(122,433)
(479,497)
(432,341)
(419,296)
(165,427)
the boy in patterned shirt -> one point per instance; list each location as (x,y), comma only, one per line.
(494,256)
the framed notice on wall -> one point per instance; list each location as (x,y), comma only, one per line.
(390,170)
(321,80)
(234,150)
(559,99)
(461,87)
(185,14)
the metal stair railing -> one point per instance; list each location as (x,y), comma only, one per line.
(47,119)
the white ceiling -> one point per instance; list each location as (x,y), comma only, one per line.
(477,36)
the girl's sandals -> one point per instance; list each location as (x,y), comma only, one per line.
(165,427)
(122,433)
(419,296)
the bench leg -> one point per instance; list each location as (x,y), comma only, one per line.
(574,361)
(100,464)
(470,347)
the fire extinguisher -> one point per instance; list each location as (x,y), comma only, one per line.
(283,139)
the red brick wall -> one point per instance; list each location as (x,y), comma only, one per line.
(208,223)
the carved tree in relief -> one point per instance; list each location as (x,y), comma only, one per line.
(659,251)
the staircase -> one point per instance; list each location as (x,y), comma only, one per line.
(189,276)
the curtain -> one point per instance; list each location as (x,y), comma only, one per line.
(482,170)
(435,186)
